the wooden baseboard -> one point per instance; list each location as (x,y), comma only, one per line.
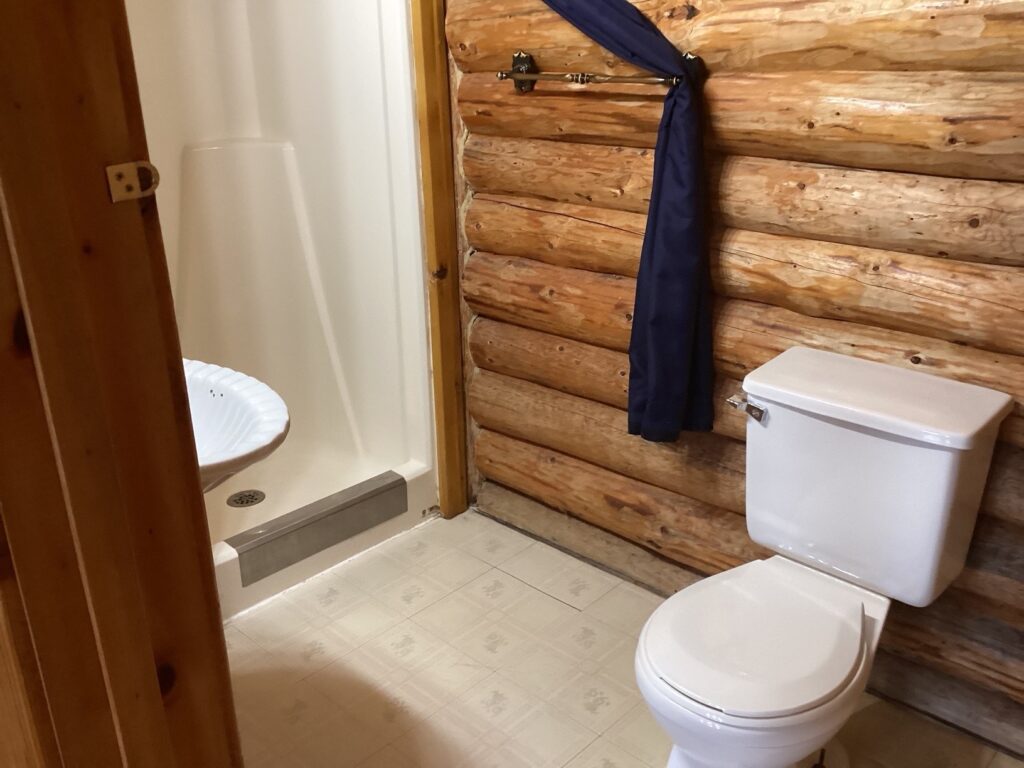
(983,714)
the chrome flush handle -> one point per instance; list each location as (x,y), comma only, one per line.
(740,403)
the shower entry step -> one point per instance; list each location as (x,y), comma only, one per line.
(295,536)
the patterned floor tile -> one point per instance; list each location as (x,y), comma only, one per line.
(603,754)
(548,738)
(595,701)
(626,607)
(579,585)
(411,594)
(463,644)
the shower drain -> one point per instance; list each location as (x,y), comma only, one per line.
(246,498)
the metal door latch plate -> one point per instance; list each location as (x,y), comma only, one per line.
(131,181)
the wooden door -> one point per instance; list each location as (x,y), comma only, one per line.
(111,645)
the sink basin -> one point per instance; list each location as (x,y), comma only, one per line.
(237,420)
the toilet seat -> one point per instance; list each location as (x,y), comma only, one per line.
(768,639)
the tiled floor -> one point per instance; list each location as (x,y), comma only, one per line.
(464,643)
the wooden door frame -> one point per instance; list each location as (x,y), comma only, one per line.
(99,491)
(441,244)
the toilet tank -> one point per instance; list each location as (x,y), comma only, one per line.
(866,471)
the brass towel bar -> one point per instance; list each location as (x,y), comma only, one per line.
(524,74)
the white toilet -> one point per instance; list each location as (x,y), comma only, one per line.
(866,479)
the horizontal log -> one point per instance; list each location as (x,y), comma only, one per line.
(964,219)
(569,235)
(678,527)
(593,372)
(596,309)
(750,35)
(585,174)
(705,467)
(961,124)
(577,368)
(712,540)
(589,306)
(978,304)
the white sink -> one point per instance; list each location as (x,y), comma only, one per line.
(236,419)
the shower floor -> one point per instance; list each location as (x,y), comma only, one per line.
(298,473)
(464,644)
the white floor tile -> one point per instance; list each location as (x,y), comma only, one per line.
(371,571)
(579,585)
(486,756)
(584,637)
(339,742)
(272,623)
(414,550)
(495,590)
(463,644)
(543,670)
(407,646)
(328,595)
(459,530)
(411,594)
(494,643)
(595,701)
(365,620)
(288,712)
(357,671)
(497,703)
(626,607)
(441,741)
(620,666)
(450,674)
(638,734)
(452,616)
(496,544)
(537,563)
(547,738)
(455,569)
(392,710)
(389,757)
(537,612)
(603,754)
(309,652)
(242,650)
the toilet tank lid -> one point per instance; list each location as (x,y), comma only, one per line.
(909,404)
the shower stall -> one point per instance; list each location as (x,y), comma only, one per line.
(284,133)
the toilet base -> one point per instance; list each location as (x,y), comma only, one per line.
(835,757)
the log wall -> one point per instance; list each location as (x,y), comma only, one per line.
(866,169)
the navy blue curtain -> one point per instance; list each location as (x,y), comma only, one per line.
(671,373)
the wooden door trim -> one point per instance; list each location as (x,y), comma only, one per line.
(120,481)
(440,230)
(36,521)
(26,732)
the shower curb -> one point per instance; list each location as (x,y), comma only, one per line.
(295,536)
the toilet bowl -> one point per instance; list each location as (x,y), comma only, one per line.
(866,480)
(758,666)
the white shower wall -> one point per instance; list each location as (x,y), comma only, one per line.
(284,133)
